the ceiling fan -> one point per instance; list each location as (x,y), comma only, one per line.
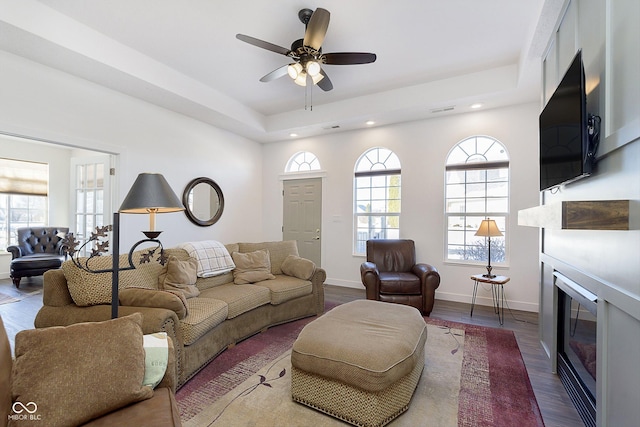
(307,53)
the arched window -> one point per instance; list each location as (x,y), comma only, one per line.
(477,187)
(377,197)
(302,162)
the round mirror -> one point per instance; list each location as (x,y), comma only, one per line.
(203,201)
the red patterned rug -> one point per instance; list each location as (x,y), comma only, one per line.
(493,388)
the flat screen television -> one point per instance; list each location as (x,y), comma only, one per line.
(564,139)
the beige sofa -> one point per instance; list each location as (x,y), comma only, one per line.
(221,315)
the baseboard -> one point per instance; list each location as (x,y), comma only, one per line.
(488,301)
(344,283)
(448,296)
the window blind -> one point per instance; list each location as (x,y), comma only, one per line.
(25,178)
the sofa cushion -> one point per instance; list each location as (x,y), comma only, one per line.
(159,411)
(204,314)
(284,288)
(240,298)
(88,288)
(140,297)
(278,251)
(180,276)
(82,371)
(251,267)
(298,267)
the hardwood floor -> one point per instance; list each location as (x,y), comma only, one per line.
(555,405)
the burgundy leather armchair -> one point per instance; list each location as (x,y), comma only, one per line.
(391,274)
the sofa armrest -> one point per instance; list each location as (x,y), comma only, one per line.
(16,252)
(370,277)
(55,291)
(317,283)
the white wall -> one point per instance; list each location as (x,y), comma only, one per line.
(58,159)
(43,103)
(422,148)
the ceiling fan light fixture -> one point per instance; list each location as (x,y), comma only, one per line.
(294,70)
(301,79)
(313,68)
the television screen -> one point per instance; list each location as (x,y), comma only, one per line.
(564,142)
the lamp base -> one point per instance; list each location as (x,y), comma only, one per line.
(489,275)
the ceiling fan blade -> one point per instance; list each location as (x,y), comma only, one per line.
(317,28)
(325,84)
(275,74)
(349,58)
(263,44)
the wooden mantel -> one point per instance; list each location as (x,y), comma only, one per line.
(579,215)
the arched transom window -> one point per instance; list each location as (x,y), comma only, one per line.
(302,162)
(477,187)
(377,197)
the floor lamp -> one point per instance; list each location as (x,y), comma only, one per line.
(488,228)
(150,193)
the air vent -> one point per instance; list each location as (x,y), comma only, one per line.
(331,127)
(443,109)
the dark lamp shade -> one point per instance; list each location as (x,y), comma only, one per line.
(488,228)
(150,193)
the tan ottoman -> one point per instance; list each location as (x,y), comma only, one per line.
(360,362)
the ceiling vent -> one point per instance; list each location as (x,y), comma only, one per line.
(331,127)
(443,109)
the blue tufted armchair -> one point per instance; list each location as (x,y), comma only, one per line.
(39,249)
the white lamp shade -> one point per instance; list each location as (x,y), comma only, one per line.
(294,70)
(313,68)
(488,228)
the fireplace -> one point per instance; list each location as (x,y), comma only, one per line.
(576,358)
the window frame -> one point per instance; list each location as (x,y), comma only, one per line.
(375,171)
(475,163)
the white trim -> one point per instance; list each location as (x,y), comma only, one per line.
(302,175)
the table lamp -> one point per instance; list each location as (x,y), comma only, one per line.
(488,228)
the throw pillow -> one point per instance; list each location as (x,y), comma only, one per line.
(181,276)
(140,297)
(301,268)
(80,372)
(156,357)
(251,267)
(88,288)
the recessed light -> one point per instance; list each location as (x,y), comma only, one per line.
(293,135)
(370,122)
(476,105)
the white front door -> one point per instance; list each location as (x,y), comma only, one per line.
(302,216)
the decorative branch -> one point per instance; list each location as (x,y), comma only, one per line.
(100,245)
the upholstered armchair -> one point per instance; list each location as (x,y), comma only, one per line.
(39,249)
(391,274)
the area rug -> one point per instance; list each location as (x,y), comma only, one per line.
(473,376)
